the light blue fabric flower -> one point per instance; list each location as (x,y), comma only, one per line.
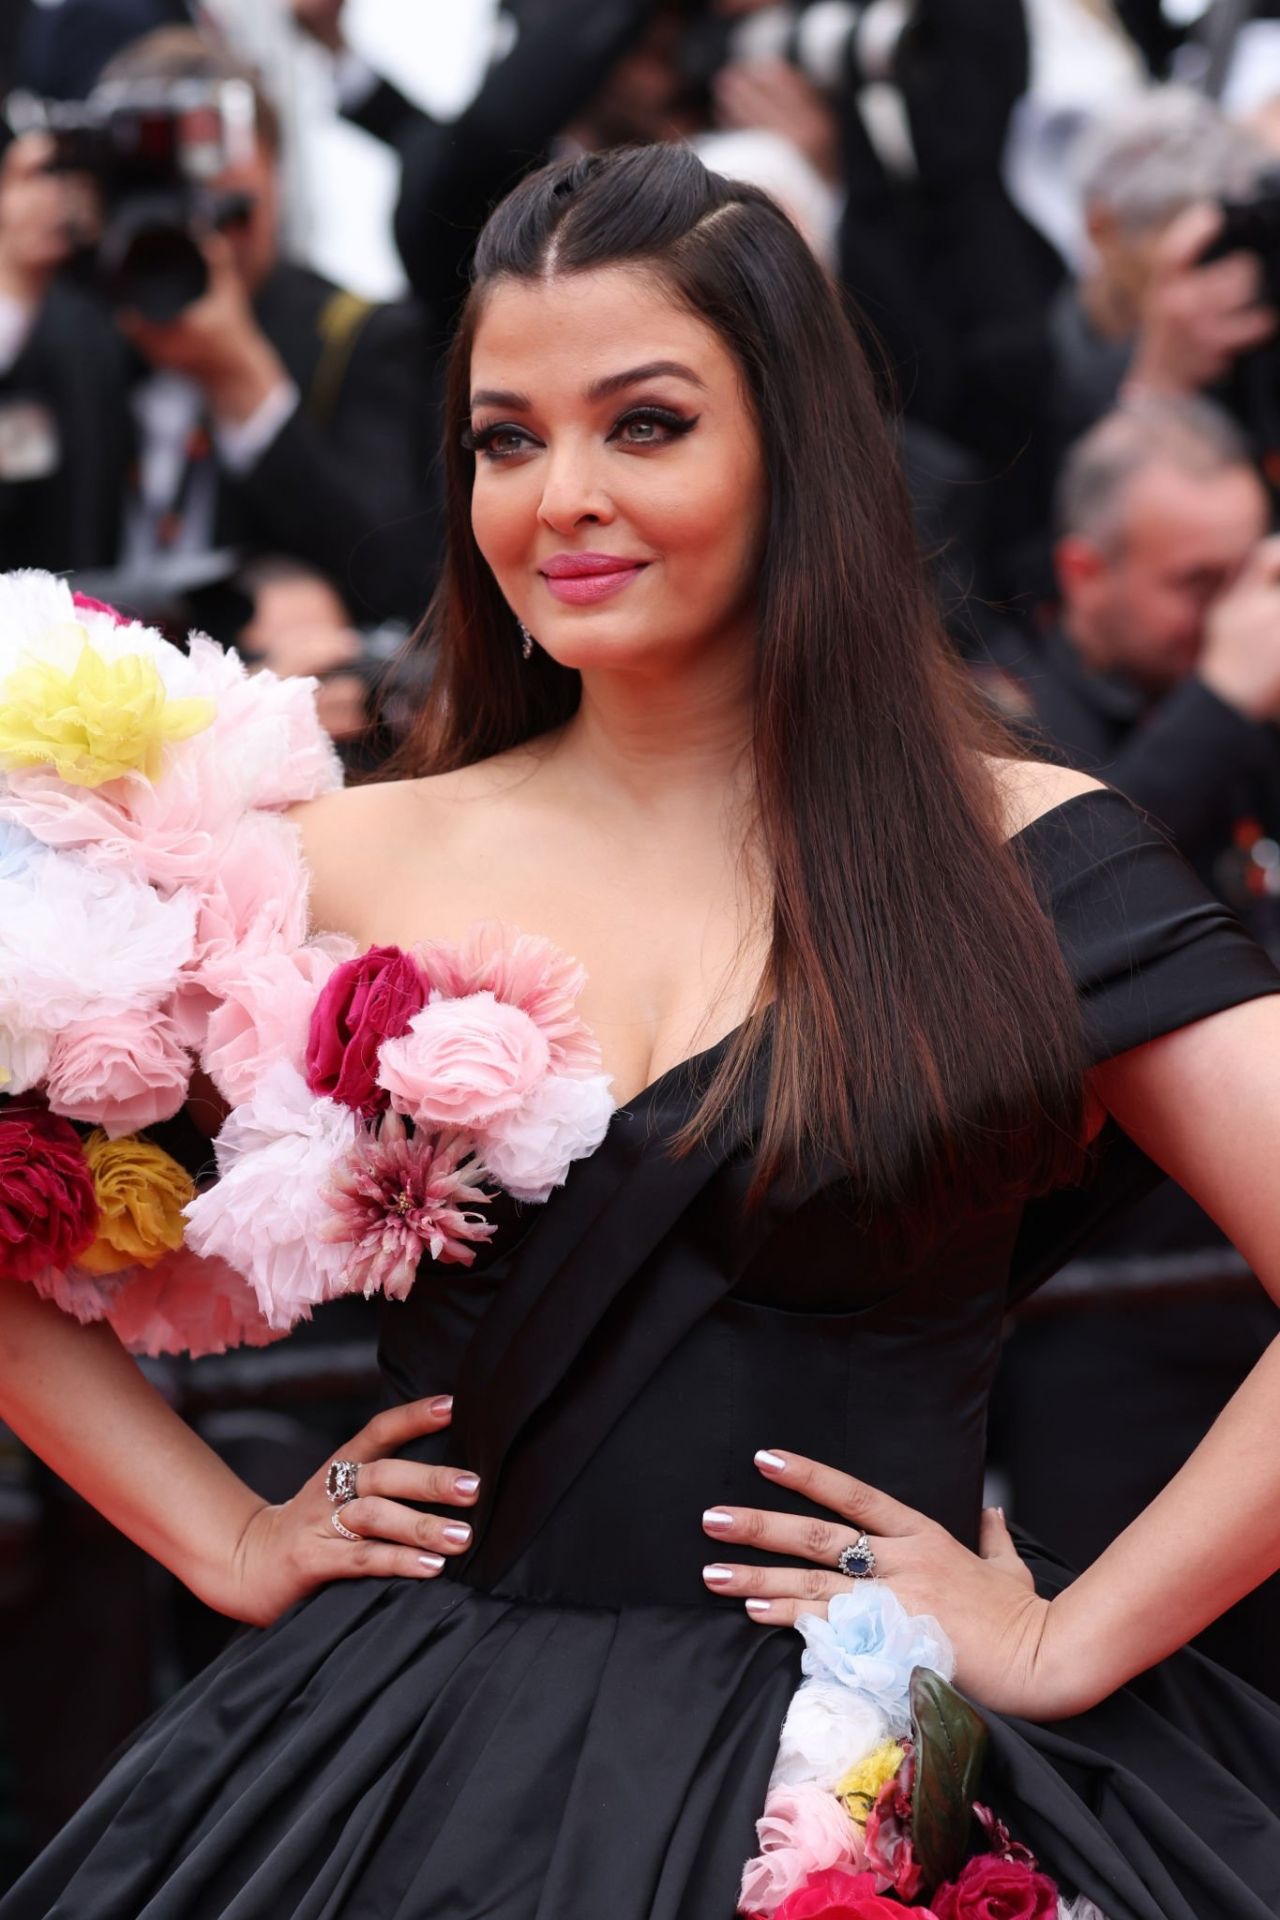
(18,850)
(869,1642)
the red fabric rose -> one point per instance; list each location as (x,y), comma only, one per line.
(48,1213)
(365,1001)
(837,1895)
(990,1888)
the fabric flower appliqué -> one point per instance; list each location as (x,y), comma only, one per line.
(869,1642)
(397,1198)
(94,720)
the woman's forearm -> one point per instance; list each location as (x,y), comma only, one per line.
(78,1400)
(1210,1537)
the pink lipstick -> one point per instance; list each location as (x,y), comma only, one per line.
(582,579)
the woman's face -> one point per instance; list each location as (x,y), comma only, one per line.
(619,488)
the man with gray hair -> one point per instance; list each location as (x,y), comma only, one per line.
(1152,314)
(1163,674)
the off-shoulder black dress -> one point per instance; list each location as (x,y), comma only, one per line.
(568,1726)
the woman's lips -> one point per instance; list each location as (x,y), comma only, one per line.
(584,589)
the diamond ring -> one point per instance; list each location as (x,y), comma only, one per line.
(340,1481)
(335,1520)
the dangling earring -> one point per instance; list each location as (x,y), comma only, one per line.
(526,641)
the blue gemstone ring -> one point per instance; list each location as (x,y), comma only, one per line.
(857,1561)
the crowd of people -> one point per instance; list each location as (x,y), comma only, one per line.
(1073,296)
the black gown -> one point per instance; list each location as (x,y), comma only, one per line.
(568,1725)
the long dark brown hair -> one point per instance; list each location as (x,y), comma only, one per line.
(924,1033)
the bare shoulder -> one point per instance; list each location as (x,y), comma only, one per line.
(1028,788)
(362,843)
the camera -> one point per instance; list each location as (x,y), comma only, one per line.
(834,43)
(1253,226)
(154,151)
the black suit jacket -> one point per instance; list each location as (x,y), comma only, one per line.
(344,487)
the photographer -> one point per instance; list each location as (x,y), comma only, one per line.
(271,414)
(1163,673)
(1155,312)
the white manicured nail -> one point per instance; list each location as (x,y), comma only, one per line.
(432,1561)
(717,1576)
(717,1517)
(771,1462)
(760,1608)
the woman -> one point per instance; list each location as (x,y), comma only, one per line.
(866,984)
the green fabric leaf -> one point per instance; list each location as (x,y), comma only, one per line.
(951,1739)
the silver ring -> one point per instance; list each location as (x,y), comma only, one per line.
(340,1481)
(335,1521)
(857,1561)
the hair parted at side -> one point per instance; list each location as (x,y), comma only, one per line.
(923,1031)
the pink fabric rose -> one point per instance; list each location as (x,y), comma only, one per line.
(522,970)
(802,1832)
(48,1213)
(835,1895)
(85,1296)
(185,1304)
(122,1072)
(256,901)
(990,1888)
(366,1001)
(171,834)
(265,1013)
(463,1063)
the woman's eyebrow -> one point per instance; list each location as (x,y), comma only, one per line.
(654,370)
(598,390)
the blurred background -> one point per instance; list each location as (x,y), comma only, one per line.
(233,240)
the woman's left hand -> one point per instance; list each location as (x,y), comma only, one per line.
(986,1601)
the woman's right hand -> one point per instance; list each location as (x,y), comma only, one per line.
(285,1551)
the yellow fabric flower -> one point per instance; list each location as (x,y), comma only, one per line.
(862,1783)
(141,1192)
(95,721)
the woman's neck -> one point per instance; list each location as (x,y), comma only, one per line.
(663,744)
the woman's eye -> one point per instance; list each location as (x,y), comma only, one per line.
(652,428)
(497,442)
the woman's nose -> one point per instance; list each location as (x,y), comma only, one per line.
(573,493)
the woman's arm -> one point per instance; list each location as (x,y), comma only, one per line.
(77,1399)
(1203,1102)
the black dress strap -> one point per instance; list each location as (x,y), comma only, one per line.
(1149,948)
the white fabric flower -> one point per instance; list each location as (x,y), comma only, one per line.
(563,1118)
(828,1729)
(266,730)
(265,1215)
(870,1644)
(78,942)
(30,604)
(40,621)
